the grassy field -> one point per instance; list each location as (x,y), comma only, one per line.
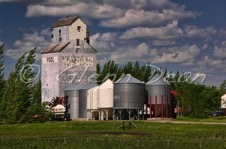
(98,134)
(220,119)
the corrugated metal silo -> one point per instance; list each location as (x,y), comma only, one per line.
(83,99)
(159,96)
(128,97)
(73,100)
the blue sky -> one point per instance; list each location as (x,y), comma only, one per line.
(184,35)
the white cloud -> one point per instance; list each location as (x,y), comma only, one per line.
(116,14)
(194,31)
(133,17)
(170,31)
(162,42)
(91,10)
(208,64)
(177,54)
(139,3)
(205,46)
(213,60)
(220,50)
(104,42)
(143,52)
(142,4)
(222,33)
(156,4)
(38,39)
(109,46)
(190,62)
(58,2)
(130,53)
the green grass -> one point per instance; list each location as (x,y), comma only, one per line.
(220,119)
(158,135)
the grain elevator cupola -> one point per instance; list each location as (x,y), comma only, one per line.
(69,59)
(68,29)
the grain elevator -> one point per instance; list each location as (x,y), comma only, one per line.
(69,59)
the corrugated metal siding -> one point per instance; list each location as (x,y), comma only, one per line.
(83,103)
(75,87)
(159,96)
(128,96)
(55,47)
(157,80)
(159,91)
(73,103)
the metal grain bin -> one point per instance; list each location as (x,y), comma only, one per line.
(128,97)
(73,100)
(158,96)
(83,99)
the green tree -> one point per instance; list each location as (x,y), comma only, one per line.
(109,71)
(114,71)
(223,88)
(2,81)
(197,100)
(18,94)
(36,107)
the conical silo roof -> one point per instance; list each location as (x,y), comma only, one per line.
(89,86)
(80,87)
(75,87)
(128,79)
(157,80)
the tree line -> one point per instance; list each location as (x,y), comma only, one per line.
(20,99)
(195,99)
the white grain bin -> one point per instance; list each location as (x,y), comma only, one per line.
(92,103)
(92,98)
(105,94)
(223,101)
(83,99)
(73,100)
(105,100)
